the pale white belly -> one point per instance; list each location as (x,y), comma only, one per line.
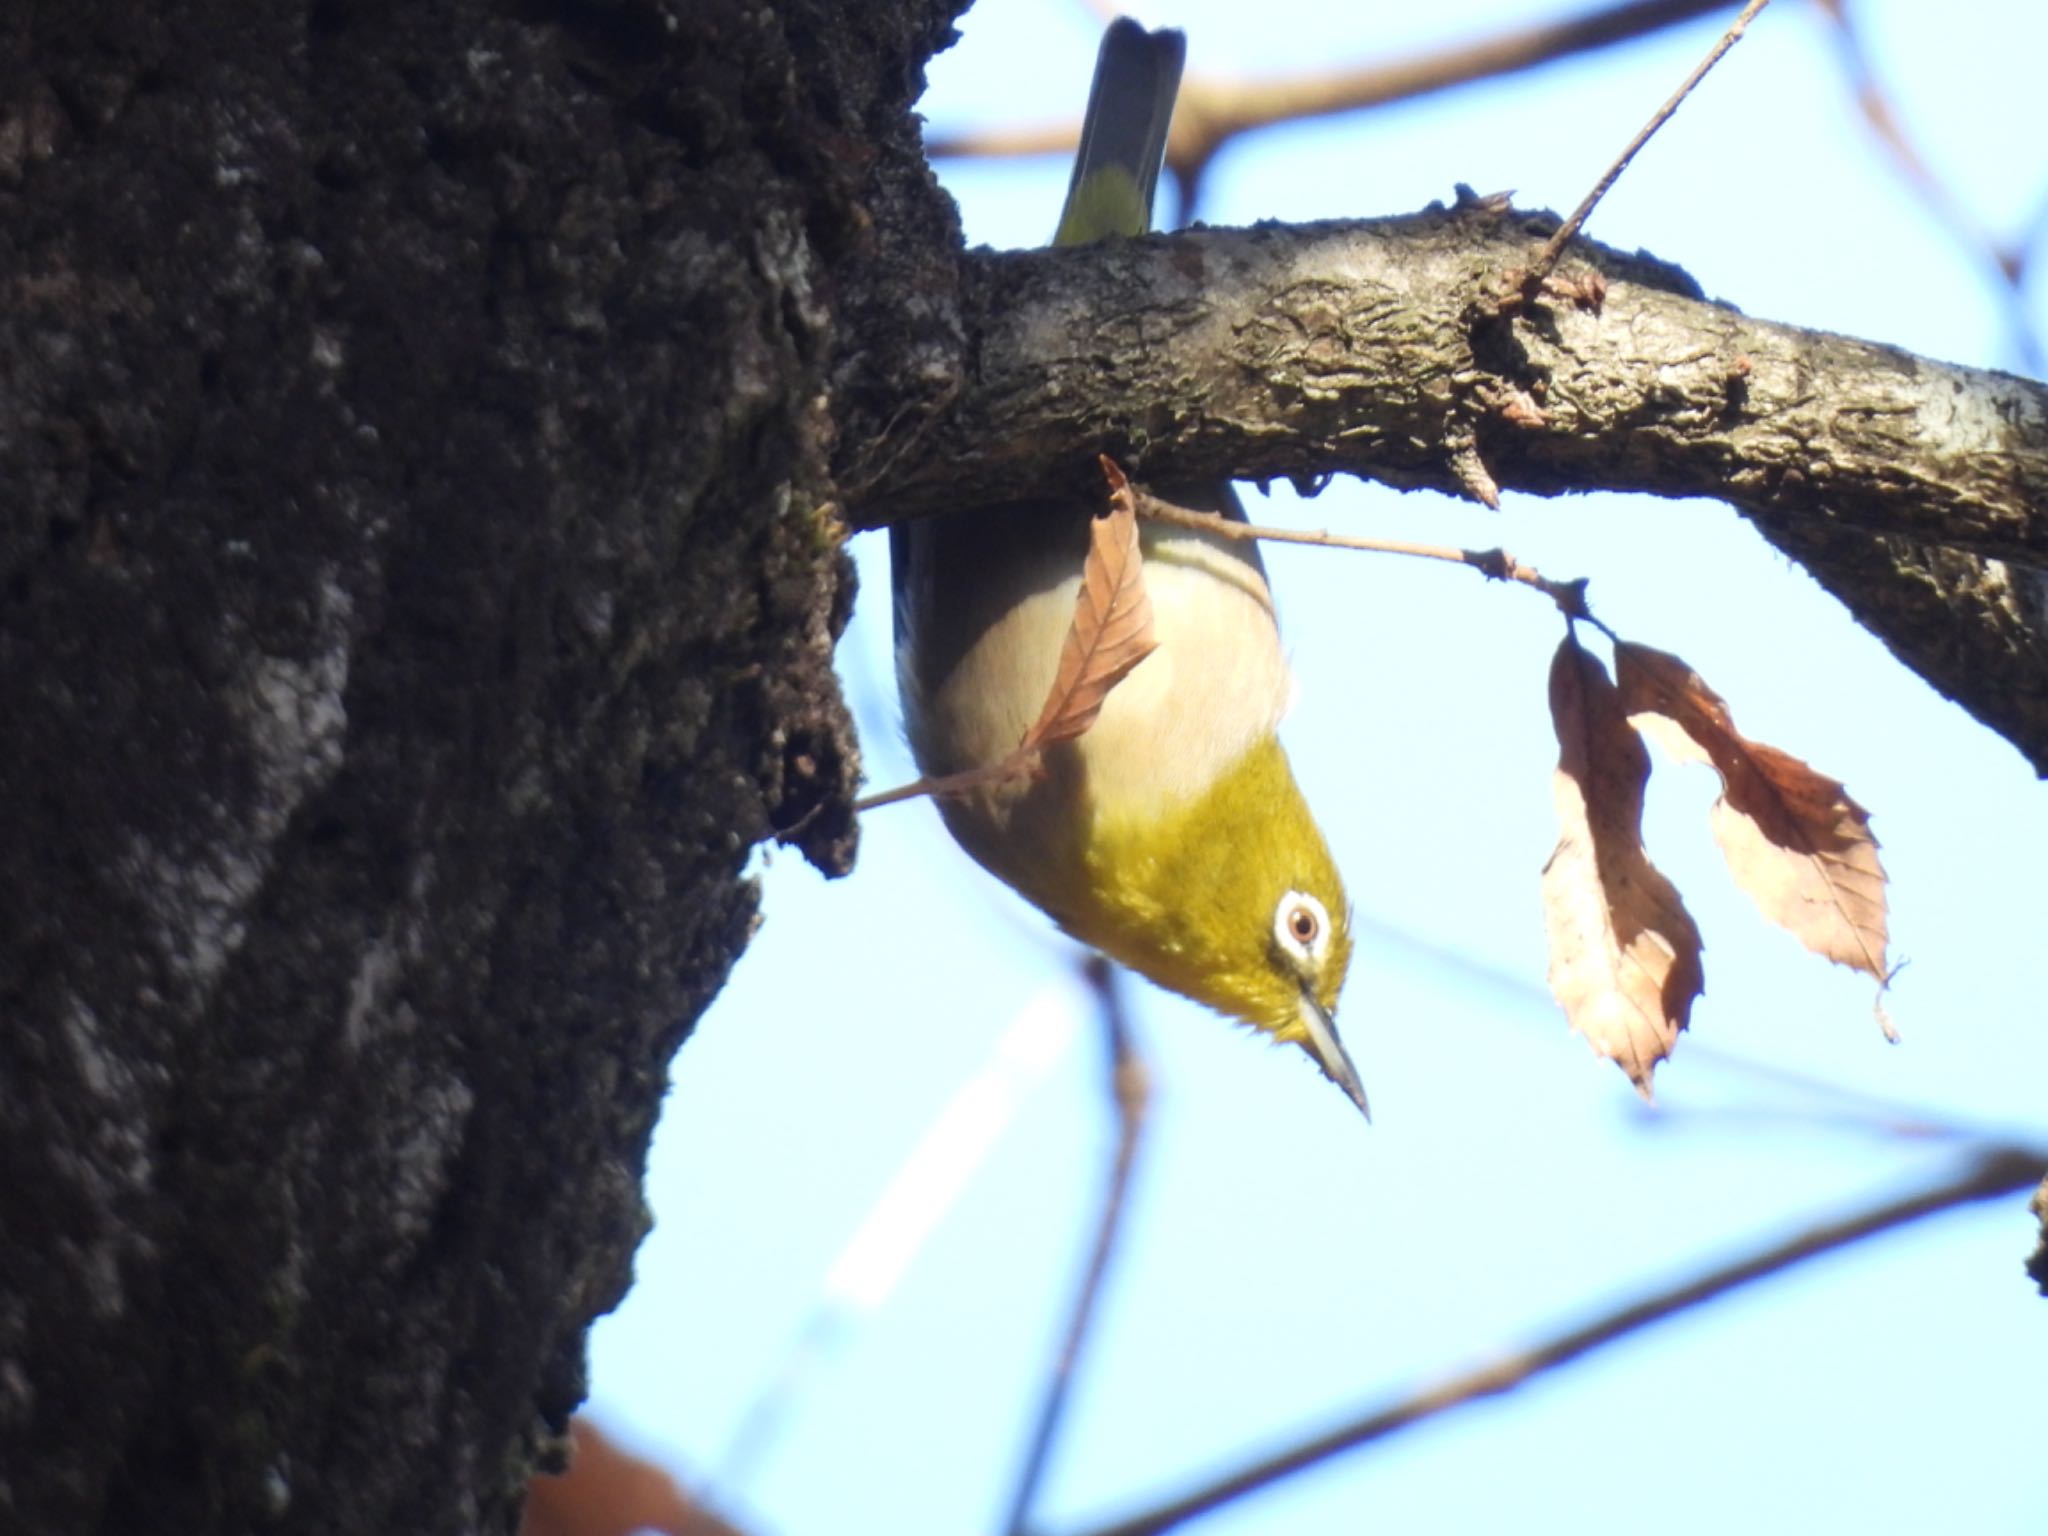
(1217,683)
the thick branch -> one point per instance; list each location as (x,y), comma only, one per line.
(1375,348)
(1380,348)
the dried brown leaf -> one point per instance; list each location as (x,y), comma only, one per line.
(1624,953)
(1112,628)
(1793,838)
(1111,633)
(610,1492)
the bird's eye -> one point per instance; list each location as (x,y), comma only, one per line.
(1302,926)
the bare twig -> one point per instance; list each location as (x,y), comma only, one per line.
(1530,280)
(938,788)
(1496,564)
(1995,1171)
(1832,1105)
(2007,261)
(1214,109)
(1131,1090)
(2019,257)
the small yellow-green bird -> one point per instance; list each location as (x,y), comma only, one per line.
(1171,835)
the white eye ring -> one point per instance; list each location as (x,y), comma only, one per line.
(1301,927)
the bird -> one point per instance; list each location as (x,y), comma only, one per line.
(1172,835)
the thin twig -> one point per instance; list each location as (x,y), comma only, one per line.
(1546,261)
(1996,1171)
(2007,263)
(1216,108)
(1838,1106)
(1131,1091)
(1495,564)
(2019,256)
(1017,765)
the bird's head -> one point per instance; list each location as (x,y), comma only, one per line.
(1230,898)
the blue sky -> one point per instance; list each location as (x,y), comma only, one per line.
(1285,1265)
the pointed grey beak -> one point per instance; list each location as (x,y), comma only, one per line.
(1328,1051)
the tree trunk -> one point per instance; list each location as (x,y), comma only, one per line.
(417,590)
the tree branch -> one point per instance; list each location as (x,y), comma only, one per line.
(1913,489)
(1214,109)
(1993,1172)
(1130,1092)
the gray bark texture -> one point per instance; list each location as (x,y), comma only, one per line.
(1915,491)
(426,435)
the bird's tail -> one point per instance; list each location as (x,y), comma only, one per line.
(1123,138)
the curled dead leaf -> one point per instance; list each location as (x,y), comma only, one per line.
(1112,628)
(1792,836)
(1111,632)
(1624,953)
(608,1491)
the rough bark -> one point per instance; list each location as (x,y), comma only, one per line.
(417,585)
(1917,492)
